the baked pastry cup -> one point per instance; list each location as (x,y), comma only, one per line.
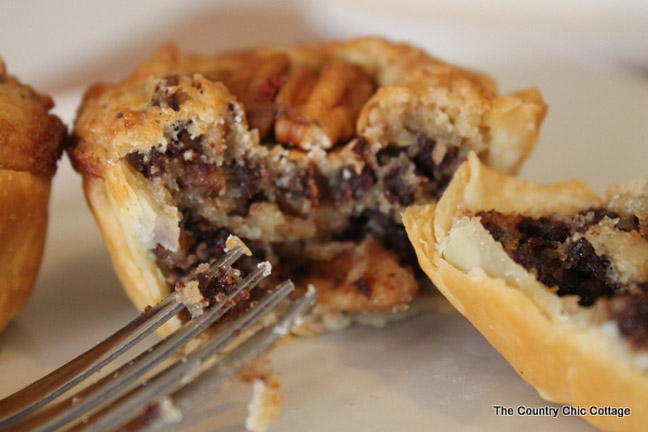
(31,141)
(554,277)
(309,154)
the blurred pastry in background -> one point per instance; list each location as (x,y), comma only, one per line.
(31,142)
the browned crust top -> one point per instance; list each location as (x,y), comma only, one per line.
(31,139)
(387,64)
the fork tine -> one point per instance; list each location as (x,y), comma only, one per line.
(229,258)
(184,371)
(29,399)
(111,387)
(192,386)
(198,390)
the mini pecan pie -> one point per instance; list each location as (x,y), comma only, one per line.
(309,154)
(555,278)
(31,141)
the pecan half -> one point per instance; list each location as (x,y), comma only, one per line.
(321,109)
(306,107)
(256,86)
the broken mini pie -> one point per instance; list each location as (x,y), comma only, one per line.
(555,278)
(309,154)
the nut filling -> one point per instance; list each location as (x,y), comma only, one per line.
(567,253)
(299,205)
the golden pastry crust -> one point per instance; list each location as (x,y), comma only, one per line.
(562,349)
(31,141)
(287,148)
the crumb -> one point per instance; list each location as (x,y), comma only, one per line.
(191,296)
(233,241)
(161,413)
(266,400)
(169,413)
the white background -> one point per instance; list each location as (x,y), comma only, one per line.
(589,59)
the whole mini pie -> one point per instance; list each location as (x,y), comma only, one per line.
(31,141)
(309,154)
(555,278)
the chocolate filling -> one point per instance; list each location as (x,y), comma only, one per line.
(554,249)
(630,311)
(204,241)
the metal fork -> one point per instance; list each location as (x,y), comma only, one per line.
(120,397)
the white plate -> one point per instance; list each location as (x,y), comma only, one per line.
(430,372)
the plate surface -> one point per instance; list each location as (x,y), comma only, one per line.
(428,372)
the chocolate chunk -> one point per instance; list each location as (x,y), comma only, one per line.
(362,148)
(352,185)
(495,230)
(361,183)
(200,242)
(542,257)
(246,178)
(363,286)
(205,233)
(544,228)
(232,111)
(173,101)
(586,274)
(545,246)
(183,142)
(151,164)
(440,174)
(322,183)
(582,257)
(446,169)
(629,224)
(381,225)
(359,226)
(302,186)
(500,225)
(163,96)
(388,153)
(424,162)
(396,240)
(397,189)
(214,284)
(630,311)
(307,185)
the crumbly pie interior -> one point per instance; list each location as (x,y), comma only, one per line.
(597,255)
(309,154)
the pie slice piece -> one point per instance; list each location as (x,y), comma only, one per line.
(555,277)
(31,142)
(309,154)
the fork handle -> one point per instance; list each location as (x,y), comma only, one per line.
(29,399)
